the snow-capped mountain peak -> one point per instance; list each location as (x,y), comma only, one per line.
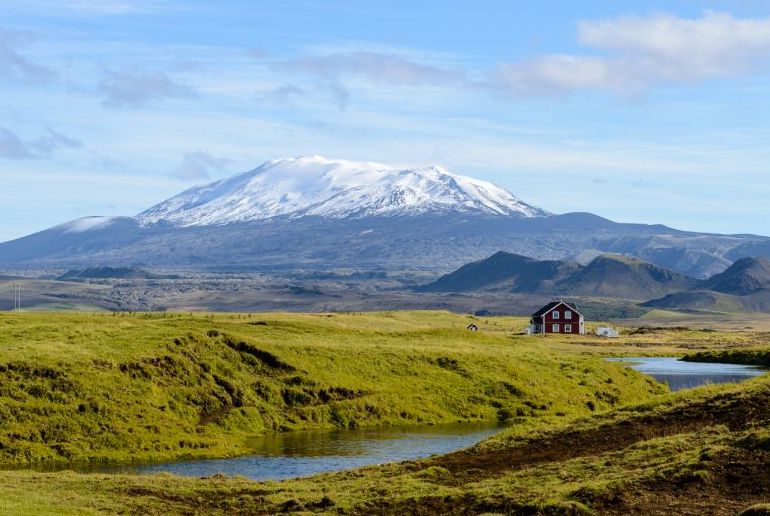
(315,186)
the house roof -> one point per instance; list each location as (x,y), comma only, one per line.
(550,306)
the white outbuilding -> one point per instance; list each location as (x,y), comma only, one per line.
(606,331)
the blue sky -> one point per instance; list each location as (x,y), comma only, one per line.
(655,112)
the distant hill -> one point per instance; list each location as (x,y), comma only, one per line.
(106,273)
(758,301)
(624,277)
(744,286)
(606,276)
(505,272)
(745,276)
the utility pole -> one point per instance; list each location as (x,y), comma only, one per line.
(17,297)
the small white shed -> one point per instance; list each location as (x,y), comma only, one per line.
(606,331)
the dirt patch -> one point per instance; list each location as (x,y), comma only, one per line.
(734,482)
(263,356)
(737,412)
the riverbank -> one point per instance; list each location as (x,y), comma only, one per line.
(138,387)
(704,451)
(755,356)
(590,436)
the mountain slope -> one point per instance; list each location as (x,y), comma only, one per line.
(126,273)
(314,186)
(311,214)
(744,286)
(506,272)
(436,242)
(76,240)
(745,276)
(606,276)
(624,277)
(710,300)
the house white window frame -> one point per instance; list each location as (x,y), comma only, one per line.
(568,315)
(555,328)
(567,328)
(555,314)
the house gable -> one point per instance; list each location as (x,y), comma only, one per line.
(557,317)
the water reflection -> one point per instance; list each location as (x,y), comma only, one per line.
(293,454)
(351,443)
(686,375)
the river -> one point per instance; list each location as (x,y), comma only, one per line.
(291,454)
(686,375)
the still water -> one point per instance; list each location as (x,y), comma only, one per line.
(292,454)
(685,375)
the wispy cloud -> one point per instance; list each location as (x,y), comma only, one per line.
(199,165)
(280,94)
(94,7)
(375,66)
(636,53)
(256,53)
(14,64)
(104,6)
(13,147)
(138,88)
(379,68)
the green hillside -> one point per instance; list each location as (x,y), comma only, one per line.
(93,387)
(704,451)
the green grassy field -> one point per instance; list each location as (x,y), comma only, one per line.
(590,435)
(95,387)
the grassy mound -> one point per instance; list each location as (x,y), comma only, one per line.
(752,356)
(94,387)
(705,451)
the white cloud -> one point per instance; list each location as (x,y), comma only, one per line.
(554,74)
(633,53)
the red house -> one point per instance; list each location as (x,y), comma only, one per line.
(557,317)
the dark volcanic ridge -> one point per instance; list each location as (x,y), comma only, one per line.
(430,242)
(607,275)
(744,286)
(745,276)
(126,273)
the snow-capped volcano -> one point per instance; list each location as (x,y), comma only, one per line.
(316,186)
(314,214)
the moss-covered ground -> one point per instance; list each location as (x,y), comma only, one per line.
(591,436)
